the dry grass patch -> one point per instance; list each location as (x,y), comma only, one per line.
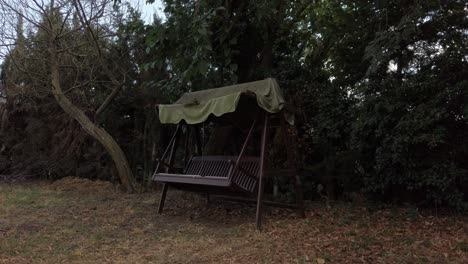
(82,221)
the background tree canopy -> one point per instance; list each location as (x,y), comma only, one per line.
(380,89)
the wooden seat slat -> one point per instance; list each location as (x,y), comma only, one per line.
(193,179)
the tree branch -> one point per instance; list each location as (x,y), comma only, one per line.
(93,38)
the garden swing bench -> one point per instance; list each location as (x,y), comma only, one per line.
(251,107)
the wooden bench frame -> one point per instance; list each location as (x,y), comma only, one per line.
(203,170)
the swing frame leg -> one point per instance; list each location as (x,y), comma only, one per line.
(261,187)
(299,197)
(163,198)
(172,146)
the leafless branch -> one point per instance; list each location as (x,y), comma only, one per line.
(117,85)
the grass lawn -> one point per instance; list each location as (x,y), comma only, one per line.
(81,221)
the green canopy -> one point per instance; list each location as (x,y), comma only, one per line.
(195,107)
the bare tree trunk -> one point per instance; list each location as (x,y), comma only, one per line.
(118,156)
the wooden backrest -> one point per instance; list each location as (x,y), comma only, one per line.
(247,175)
(217,166)
(220,166)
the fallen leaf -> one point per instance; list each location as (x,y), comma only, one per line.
(320,261)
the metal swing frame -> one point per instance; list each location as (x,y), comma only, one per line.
(251,106)
(221,173)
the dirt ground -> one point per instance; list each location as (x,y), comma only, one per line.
(81,221)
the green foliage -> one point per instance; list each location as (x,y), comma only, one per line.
(379,87)
(411,126)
